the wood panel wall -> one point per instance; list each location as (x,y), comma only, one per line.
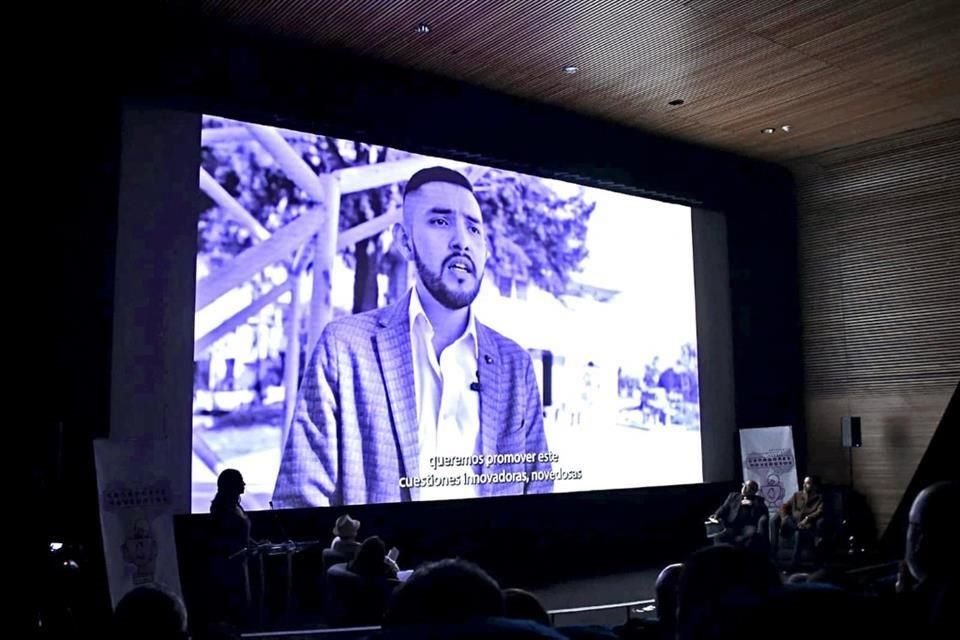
(879,251)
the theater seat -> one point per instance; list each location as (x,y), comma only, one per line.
(331,557)
(354,600)
(831,533)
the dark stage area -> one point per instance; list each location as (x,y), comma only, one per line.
(546,544)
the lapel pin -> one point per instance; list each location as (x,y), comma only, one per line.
(488,359)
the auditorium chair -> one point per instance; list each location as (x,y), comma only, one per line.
(759,542)
(354,600)
(331,557)
(828,543)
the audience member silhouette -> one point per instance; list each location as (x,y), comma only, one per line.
(721,591)
(357,592)
(371,560)
(230,536)
(665,596)
(345,532)
(523,605)
(445,592)
(150,612)
(794,612)
(714,577)
(456,600)
(933,559)
(802,516)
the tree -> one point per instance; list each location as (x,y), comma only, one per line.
(533,234)
(250,175)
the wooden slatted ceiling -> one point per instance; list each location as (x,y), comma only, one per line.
(841,72)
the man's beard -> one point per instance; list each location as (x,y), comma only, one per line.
(447,297)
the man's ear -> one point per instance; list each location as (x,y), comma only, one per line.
(404,242)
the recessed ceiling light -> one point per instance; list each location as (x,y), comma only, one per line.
(675,103)
(767,130)
(423,27)
(785,128)
(571,69)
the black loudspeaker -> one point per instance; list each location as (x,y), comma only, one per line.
(850,431)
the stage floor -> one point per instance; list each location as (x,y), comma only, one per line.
(598,590)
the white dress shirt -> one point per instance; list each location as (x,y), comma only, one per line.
(448,411)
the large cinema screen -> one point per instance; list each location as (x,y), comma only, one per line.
(373,325)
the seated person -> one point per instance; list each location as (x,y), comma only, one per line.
(356,593)
(712,578)
(445,592)
(454,599)
(930,585)
(345,543)
(523,605)
(801,515)
(372,560)
(744,517)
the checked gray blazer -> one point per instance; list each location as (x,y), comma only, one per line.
(354,432)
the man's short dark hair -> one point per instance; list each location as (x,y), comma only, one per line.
(445,592)
(151,612)
(713,574)
(436,174)
(523,605)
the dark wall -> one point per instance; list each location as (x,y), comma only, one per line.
(67,200)
(184,63)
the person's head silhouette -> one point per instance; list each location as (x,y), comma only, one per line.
(230,485)
(230,482)
(152,612)
(931,549)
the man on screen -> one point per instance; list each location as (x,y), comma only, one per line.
(389,393)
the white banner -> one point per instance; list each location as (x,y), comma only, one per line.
(136,514)
(768,457)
